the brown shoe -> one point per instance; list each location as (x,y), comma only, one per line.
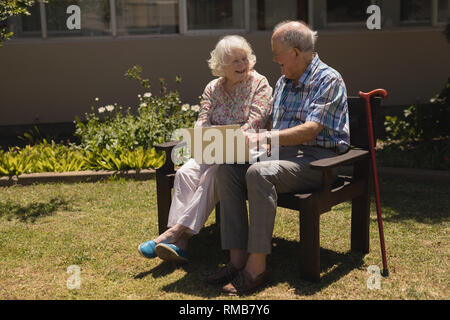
(223,276)
(243,283)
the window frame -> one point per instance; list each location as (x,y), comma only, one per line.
(435,14)
(309,16)
(314,20)
(183,22)
(434,18)
(337,25)
(414,23)
(434,21)
(112,23)
(119,32)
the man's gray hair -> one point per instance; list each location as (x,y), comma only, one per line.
(297,34)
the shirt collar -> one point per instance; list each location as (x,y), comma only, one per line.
(306,76)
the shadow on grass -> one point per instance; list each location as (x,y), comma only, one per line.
(401,199)
(162,270)
(32,211)
(285,262)
(206,256)
(424,201)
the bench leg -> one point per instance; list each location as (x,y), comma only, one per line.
(360,223)
(361,210)
(309,239)
(218,213)
(164,199)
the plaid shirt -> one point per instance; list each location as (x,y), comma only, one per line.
(320,96)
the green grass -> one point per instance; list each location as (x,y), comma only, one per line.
(46,228)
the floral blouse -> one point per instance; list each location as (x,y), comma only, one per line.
(249,105)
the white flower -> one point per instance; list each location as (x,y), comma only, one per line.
(147,95)
(195,108)
(96,99)
(101,110)
(139,96)
(185,107)
(109,108)
(142,105)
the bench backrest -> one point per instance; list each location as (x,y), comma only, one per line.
(359,136)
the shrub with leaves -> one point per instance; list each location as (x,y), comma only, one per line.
(421,138)
(422,121)
(52,157)
(112,138)
(156,118)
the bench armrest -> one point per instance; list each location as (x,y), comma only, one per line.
(346,158)
(166,146)
(168,166)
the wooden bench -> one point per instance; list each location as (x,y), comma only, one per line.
(311,204)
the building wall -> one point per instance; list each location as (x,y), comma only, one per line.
(45,81)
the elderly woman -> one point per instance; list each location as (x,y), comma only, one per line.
(239,96)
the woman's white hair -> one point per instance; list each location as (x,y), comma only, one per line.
(224,49)
(297,34)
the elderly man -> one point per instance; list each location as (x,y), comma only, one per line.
(310,121)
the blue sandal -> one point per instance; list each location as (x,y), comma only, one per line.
(171,252)
(147,249)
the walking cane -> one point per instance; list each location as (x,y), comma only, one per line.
(366,97)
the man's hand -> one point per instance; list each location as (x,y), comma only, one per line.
(302,133)
(257,141)
(252,138)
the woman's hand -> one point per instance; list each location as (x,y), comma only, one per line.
(257,141)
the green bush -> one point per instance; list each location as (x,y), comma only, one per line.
(158,115)
(421,138)
(111,138)
(422,122)
(54,157)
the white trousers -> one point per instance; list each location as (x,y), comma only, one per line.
(194,195)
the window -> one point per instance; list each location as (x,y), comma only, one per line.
(95,18)
(126,17)
(147,17)
(26,26)
(443,11)
(347,11)
(415,11)
(271,12)
(215,14)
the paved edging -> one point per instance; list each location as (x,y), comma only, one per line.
(75,176)
(92,176)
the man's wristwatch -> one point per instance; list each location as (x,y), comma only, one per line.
(269,137)
(269,143)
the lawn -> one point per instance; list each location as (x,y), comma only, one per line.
(46,228)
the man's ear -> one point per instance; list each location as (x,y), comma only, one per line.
(297,52)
